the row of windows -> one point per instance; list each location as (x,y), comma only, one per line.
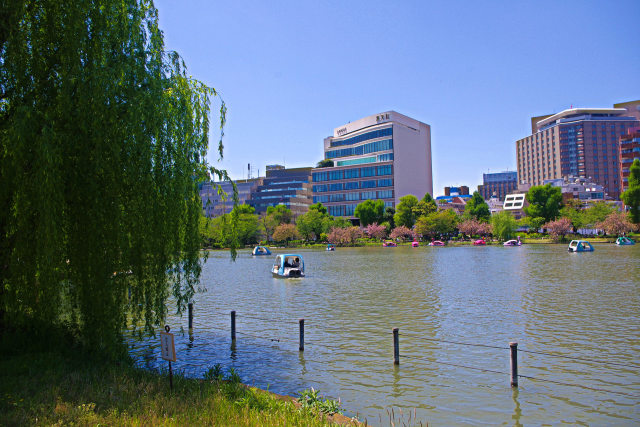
(364,137)
(353,185)
(352,173)
(364,195)
(372,147)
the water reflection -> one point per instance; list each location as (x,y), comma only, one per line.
(541,296)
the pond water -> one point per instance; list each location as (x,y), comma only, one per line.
(585,306)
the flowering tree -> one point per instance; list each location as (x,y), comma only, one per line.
(473,227)
(344,236)
(376,231)
(403,233)
(285,233)
(559,228)
(616,224)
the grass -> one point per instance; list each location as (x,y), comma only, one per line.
(62,385)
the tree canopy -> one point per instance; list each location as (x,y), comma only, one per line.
(405,216)
(631,197)
(103,138)
(369,212)
(477,208)
(326,163)
(544,201)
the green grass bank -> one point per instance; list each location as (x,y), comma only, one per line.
(47,384)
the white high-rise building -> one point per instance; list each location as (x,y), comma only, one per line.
(380,157)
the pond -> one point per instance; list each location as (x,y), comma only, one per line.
(457,309)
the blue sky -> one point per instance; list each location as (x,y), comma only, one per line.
(290,72)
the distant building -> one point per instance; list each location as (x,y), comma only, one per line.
(495,204)
(380,157)
(629,151)
(578,188)
(281,186)
(498,184)
(581,142)
(214,204)
(450,193)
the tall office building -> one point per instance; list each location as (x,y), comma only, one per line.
(499,184)
(629,151)
(281,186)
(214,204)
(582,142)
(380,157)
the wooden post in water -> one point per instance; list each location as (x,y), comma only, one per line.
(190,305)
(514,364)
(233,327)
(301,326)
(396,346)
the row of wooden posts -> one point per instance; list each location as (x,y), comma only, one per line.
(513,346)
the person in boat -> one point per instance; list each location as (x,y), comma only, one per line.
(296,263)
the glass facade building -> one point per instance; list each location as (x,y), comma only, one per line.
(289,187)
(380,157)
(500,184)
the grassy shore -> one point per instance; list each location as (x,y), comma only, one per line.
(63,385)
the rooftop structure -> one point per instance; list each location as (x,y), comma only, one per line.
(379,157)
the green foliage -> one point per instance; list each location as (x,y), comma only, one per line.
(69,387)
(311,400)
(220,232)
(443,222)
(504,225)
(387,218)
(369,212)
(103,139)
(326,163)
(312,224)
(318,207)
(275,216)
(631,196)
(477,208)
(596,213)
(404,215)
(544,201)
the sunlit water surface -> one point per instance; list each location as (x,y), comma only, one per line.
(548,300)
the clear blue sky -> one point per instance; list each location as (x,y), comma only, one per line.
(476,71)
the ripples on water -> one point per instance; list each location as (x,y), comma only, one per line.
(585,305)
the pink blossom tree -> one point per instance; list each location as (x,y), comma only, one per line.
(473,227)
(344,236)
(403,233)
(376,231)
(559,228)
(616,224)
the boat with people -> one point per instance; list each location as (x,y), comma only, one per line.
(480,242)
(580,246)
(514,242)
(288,265)
(436,243)
(389,244)
(415,244)
(261,250)
(624,241)
(331,247)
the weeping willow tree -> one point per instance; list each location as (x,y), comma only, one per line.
(103,141)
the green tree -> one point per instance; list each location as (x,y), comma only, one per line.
(477,208)
(387,218)
(596,213)
(425,206)
(312,224)
(369,212)
(275,216)
(574,212)
(504,225)
(326,163)
(631,197)
(103,141)
(404,215)
(285,233)
(544,201)
(439,223)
